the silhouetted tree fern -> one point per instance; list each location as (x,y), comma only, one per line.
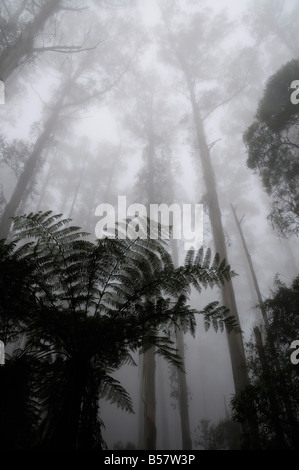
(92,305)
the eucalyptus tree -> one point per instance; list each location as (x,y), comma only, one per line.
(150,118)
(192,45)
(149,122)
(272,143)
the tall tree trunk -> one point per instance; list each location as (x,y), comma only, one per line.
(112,172)
(77,188)
(28,172)
(149,399)
(33,161)
(148,364)
(140,443)
(235,341)
(182,381)
(12,56)
(163,405)
(252,271)
(183,395)
(45,186)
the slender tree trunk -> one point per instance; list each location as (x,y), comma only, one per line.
(45,186)
(141,406)
(13,55)
(182,381)
(148,374)
(149,399)
(28,172)
(77,188)
(235,340)
(34,159)
(112,172)
(183,395)
(252,271)
(163,405)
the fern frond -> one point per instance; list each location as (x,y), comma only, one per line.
(112,391)
(218,317)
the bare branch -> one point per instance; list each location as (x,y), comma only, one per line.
(108,87)
(73,9)
(286,141)
(225,101)
(65,49)
(213,143)
(36,92)
(233,95)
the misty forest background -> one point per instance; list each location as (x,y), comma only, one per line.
(137,343)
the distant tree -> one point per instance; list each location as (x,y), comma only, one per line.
(151,122)
(273,148)
(272,22)
(120,446)
(275,392)
(192,44)
(75,91)
(225,435)
(92,305)
(21,25)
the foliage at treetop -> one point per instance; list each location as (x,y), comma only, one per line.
(273,148)
(78,310)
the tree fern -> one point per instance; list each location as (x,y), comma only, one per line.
(92,303)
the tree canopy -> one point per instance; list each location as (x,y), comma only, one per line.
(273,148)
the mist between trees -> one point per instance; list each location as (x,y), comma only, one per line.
(137,342)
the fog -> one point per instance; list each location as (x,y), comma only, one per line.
(150,99)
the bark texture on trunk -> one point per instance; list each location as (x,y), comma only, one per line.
(235,340)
